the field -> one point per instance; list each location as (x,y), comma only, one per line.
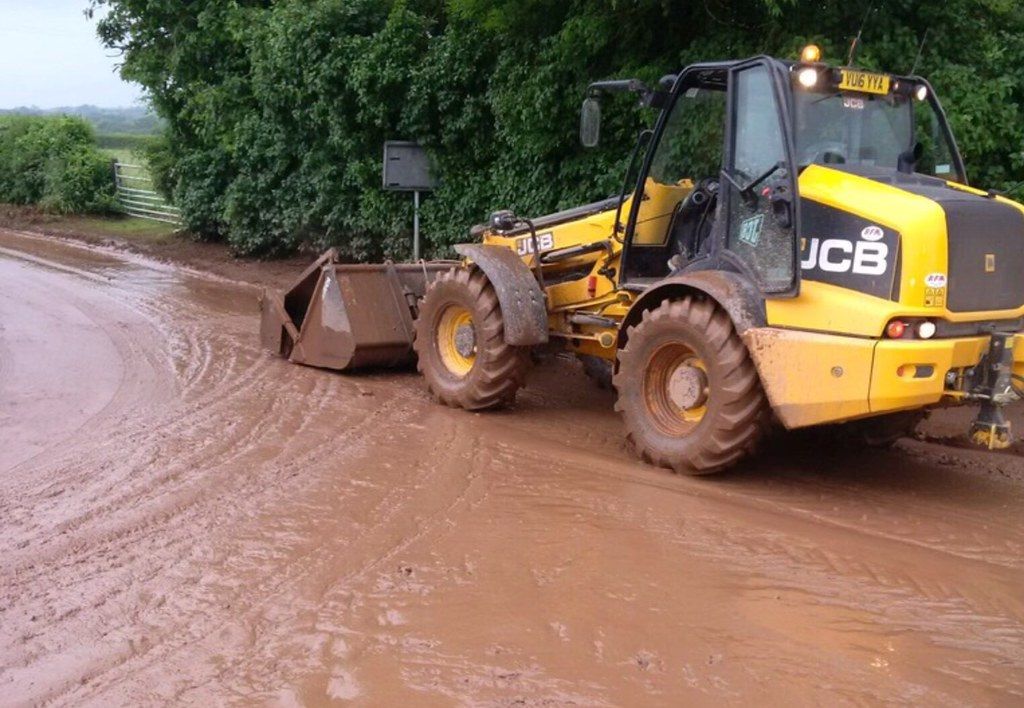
(124,147)
(122,155)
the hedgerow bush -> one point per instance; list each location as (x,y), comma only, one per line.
(276,111)
(53,162)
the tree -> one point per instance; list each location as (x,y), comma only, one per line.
(276,111)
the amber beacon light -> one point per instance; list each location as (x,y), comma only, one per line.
(810,54)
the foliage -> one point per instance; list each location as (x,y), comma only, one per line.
(134,120)
(276,111)
(54,162)
(159,158)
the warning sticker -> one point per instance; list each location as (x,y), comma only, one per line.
(750,230)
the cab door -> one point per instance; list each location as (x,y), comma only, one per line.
(759,180)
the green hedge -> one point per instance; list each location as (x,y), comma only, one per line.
(276,111)
(53,162)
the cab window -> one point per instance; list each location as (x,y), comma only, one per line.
(676,214)
(758,172)
(691,146)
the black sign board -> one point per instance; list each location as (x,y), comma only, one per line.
(406,167)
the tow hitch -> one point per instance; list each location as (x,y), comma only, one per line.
(994,388)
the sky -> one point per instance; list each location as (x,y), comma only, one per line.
(50,56)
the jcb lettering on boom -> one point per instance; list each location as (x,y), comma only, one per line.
(524,245)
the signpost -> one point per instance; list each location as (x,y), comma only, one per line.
(407,169)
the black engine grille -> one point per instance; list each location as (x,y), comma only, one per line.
(986,254)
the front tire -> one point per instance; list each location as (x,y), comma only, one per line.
(460,343)
(688,392)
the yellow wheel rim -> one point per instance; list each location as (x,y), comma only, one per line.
(676,389)
(456,339)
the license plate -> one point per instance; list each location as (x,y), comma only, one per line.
(864,82)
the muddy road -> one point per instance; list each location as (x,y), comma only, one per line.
(185,518)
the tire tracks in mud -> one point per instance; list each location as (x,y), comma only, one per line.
(394,502)
(403,515)
(231,528)
(776,546)
(855,496)
(104,544)
(122,533)
(175,524)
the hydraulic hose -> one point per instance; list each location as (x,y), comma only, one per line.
(537,265)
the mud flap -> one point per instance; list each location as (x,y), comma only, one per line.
(523,304)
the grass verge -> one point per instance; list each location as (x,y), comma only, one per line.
(128,228)
(156,240)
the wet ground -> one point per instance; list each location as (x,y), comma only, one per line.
(185,518)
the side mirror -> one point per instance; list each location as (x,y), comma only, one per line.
(590,122)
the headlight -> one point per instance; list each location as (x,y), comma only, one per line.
(921,92)
(807,77)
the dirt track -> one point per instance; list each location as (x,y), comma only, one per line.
(184,517)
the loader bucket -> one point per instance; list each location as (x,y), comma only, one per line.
(347,316)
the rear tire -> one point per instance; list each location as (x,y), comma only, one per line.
(688,392)
(460,342)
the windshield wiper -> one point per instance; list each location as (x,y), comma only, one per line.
(826,97)
(763,176)
(747,192)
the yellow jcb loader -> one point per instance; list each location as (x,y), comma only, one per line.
(799,243)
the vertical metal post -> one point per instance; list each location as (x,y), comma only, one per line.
(416,225)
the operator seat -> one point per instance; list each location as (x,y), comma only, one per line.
(691,224)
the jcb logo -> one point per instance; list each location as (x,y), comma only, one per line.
(524,245)
(836,255)
(865,260)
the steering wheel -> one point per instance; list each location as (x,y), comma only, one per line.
(709,185)
(704,191)
(825,153)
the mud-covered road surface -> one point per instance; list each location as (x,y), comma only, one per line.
(184,518)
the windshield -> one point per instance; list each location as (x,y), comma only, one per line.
(855,129)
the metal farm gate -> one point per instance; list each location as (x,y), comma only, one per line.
(136,196)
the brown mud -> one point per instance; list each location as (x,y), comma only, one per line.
(185,518)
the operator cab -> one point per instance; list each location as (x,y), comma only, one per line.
(715,192)
(717,186)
